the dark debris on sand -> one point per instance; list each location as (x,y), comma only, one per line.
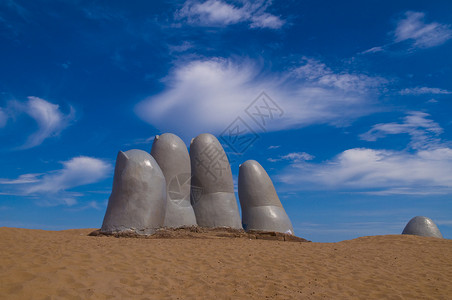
(195,232)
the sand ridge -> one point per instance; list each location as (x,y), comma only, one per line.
(37,264)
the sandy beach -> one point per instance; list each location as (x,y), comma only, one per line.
(37,264)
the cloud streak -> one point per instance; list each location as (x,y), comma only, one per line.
(422,90)
(220,14)
(423,131)
(412,31)
(23,179)
(422,35)
(50,120)
(52,187)
(77,171)
(293,157)
(3,118)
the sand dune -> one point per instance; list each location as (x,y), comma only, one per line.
(36,264)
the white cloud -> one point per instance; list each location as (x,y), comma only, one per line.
(181,47)
(52,187)
(377,171)
(374,50)
(423,131)
(141,141)
(78,171)
(25,178)
(266,20)
(423,35)
(312,70)
(298,156)
(211,12)
(273,147)
(220,13)
(424,90)
(316,71)
(3,118)
(51,121)
(293,157)
(89,205)
(207,95)
(413,31)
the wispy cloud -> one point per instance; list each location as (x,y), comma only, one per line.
(52,187)
(78,171)
(220,13)
(374,50)
(25,178)
(51,121)
(423,131)
(90,205)
(209,94)
(3,118)
(13,17)
(184,46)
(273,147)
(142,141)
(94,11)
(444,222)
(423,35)
(16,8)
(382,172)
(416,33)
(293,157)
(421,90)
(317,72)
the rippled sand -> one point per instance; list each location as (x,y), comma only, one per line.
(36,264)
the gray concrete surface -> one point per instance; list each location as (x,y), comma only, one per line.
(212,195)
(422,226)
(261,207)
(172,156)
(138,199)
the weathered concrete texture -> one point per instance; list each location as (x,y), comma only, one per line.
(422,226)
(261,208)
(212,195)
(138,200)
(172,156)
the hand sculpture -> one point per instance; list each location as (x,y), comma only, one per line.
(138,200)
(261,208)
(213,197)
(422,226)
(172,156)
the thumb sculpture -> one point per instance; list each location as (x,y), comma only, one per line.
(172,156)
(422,226)
(212,196)
(138,199)
(261,208)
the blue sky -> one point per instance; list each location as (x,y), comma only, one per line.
(346,105)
